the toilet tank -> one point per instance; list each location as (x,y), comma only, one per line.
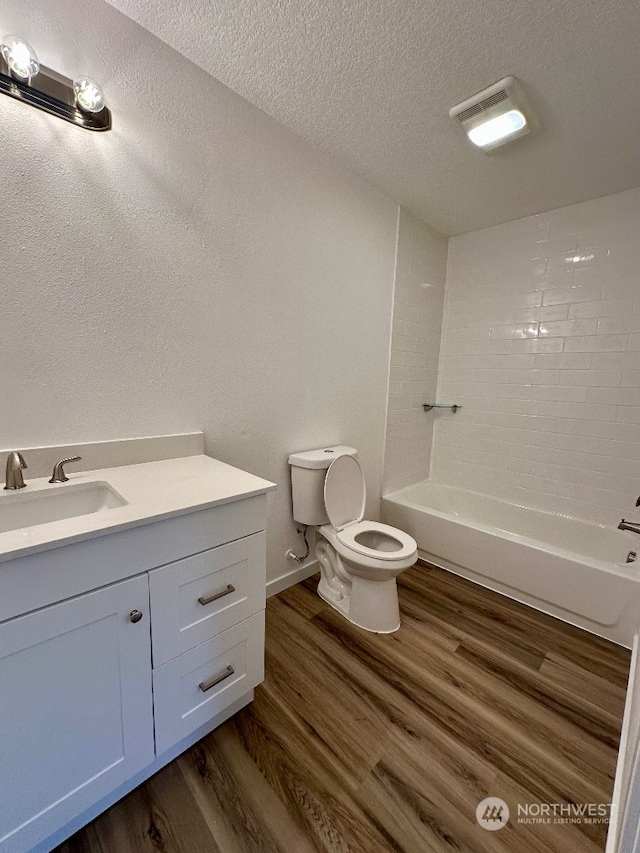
(308,470)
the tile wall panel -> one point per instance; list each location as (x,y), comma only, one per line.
(541,345)
(415,347)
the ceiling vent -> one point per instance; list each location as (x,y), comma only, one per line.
(495,116)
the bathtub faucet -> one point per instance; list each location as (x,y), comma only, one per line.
(633,526)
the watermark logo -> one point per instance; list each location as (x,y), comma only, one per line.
(558,813)
(492,814)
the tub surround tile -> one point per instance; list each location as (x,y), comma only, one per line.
(421,256)
(576,293)
(539,345)
(602,308)
(564,361)
(601,343)
(576,402)
(629,415)
(604,378)
(616,325)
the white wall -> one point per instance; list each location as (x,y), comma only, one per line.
(421,263)
(197,267)
(542,346)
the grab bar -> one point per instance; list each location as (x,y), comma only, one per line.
(453,406)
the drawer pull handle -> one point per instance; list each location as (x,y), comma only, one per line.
(207,685)
(216,595)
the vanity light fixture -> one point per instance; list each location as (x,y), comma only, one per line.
(79,101)
(495,116)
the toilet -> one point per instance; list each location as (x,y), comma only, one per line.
(359,560)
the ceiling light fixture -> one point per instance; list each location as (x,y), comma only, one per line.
(495,116)
(80,102)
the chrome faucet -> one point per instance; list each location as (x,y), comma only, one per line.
(58,475)
(15,464)
(633,526)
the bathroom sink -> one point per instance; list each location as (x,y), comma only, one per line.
(55,504)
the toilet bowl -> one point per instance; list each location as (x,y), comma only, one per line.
(359,559)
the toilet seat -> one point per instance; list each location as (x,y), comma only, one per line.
(344,500)
(349,533)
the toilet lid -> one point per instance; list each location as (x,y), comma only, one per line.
(344,491)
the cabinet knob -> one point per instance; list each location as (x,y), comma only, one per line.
(135,616)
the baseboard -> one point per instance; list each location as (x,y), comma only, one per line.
(284,581)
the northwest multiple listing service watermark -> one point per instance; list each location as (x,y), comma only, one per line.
(494,814)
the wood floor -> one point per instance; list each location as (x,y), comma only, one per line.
(364,743)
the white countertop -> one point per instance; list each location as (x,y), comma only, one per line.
(153,491)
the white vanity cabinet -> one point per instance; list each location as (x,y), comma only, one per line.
(75,708)
(118,653)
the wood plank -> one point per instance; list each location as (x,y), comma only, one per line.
(240,808)
(302,598)
(474,617)
(592,688)
(160,815)
(575,715)
(525,624)
(426,787)
(319,688)
(302,773)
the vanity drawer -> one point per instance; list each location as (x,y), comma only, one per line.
(192,689)
(196,598)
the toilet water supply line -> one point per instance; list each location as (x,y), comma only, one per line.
(292,555)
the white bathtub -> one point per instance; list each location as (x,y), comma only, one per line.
(572,569)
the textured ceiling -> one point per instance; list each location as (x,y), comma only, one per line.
(371,81)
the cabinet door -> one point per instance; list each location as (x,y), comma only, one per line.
(76,715)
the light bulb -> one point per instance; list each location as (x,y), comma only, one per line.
(495,129)
(20,57)
(88,94)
